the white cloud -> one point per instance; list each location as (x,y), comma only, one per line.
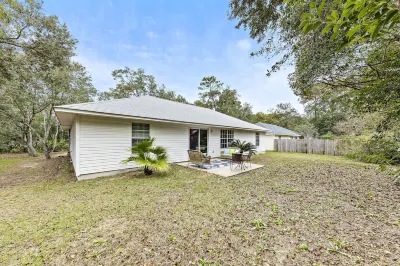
(244,45)
(110,3)
(151,35)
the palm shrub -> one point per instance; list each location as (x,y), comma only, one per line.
(152,157)
(243,145)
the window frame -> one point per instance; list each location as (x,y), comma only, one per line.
(258,139)
(226,137)
(141,129)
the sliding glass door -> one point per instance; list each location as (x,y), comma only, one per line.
(198,140)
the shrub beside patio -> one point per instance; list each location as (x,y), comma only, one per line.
(298,210)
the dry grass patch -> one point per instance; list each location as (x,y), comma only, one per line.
(298,210)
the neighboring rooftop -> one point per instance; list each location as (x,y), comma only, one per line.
(277,130)
(156,109)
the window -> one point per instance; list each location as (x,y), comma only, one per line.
(257,139)
(226,138)
(140,132)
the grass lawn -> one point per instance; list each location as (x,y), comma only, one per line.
(7,163)
(298,210)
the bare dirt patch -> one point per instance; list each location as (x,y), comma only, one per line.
(32,171)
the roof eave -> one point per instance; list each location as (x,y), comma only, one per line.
(102,114)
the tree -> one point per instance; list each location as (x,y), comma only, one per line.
(67,85)
(358,125)
(36,72)
(135,83)
(307,129)
(360,21)
(151,157)
(31,95)
(210,90)
(283,115)
(24,28)
(362,75)
(215,95)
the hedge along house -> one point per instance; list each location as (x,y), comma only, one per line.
(102,133)
(276,132)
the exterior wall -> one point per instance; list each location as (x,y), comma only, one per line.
(283,137)
(102,143)
(73,146)
(268,143)
(250,136)
(173,137)
(214,142)
(105,142)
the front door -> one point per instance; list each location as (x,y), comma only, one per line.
(198,140)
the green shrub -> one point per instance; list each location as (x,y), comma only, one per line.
(378,150)
(368,158)
(328,135)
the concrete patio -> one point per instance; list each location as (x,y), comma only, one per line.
(223,170)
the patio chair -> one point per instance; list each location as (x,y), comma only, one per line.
(247,157)
(226,154)
(237,158)
(197,157)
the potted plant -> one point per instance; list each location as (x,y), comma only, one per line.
(243,146)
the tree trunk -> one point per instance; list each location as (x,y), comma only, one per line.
(47,127)
(29,145)
(147,171)
(46,151)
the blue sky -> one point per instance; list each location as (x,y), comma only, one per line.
(179,42)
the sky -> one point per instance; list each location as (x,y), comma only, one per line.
(178,42)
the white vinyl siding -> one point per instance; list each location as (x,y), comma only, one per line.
(214,142)
(173,137)
(249,136)
(73,145)
(267,142)
(104,143)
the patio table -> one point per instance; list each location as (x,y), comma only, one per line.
(239,159)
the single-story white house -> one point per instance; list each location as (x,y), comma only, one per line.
(276,132)
(102,133)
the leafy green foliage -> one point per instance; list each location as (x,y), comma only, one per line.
(152,157)
(378,150)
(259,224)
(24,28)
(350,70)
(36,73)
(215,95)
(303,246)
(357,20)
(244,146)
(283,115)
(134,83)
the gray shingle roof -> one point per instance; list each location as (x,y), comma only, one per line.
(277,130)
(160,109)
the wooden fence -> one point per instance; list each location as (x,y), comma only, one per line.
(315,146)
